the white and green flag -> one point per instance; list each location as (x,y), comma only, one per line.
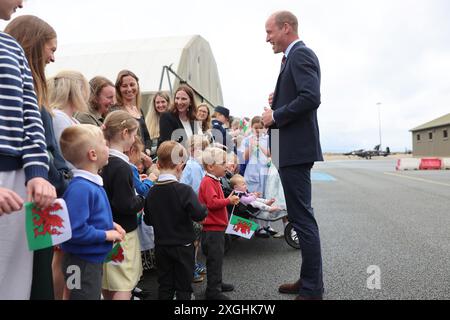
(47,227)
(241,227)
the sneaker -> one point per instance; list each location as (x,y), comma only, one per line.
(197,277)
(200,268)
(278,235)
(270,230)
(261,233)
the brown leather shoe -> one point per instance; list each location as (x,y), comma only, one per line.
(299,297)
(290,288)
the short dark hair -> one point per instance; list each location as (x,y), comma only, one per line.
(288,17)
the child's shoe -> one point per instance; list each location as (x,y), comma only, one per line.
(197,277)
(200,268)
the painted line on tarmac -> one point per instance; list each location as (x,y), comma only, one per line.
(417,179)
(321,176)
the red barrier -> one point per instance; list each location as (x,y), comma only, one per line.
(430,164)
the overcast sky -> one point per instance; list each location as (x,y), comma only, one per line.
(393,52)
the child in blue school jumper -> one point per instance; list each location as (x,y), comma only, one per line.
(93,230)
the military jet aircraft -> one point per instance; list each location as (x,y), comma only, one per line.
(368,154)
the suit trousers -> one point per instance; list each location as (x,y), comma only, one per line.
(296,182)
(175,271)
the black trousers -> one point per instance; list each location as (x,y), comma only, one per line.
(213,243)
(175,271)
(296,182)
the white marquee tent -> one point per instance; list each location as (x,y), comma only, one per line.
(190,57)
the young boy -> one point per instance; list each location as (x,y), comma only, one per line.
(215,224)
(170,208)
(93,229)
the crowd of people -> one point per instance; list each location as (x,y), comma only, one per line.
(159,184)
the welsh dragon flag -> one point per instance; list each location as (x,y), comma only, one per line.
(241,227)
(244,125)
(47,227)
(115,256)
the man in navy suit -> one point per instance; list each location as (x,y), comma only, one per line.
(295,144)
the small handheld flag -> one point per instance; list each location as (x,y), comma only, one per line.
(241,227)
(115,256)
(47,227)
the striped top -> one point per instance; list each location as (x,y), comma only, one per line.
(22,139)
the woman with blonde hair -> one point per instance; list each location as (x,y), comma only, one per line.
(160,103)
(68,93)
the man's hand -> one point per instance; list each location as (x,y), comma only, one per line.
(267,117)
(9,201)
(41,192)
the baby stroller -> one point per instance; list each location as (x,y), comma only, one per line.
(248,212)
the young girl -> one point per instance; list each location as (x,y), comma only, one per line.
(192,175)
(120,129)
(142,185)
(256,152)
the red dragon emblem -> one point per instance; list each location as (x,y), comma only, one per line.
(242,227)
(117,255)
(46,222)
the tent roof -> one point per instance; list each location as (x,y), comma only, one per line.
(189,56)
(439,122)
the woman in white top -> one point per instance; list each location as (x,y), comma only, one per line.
(68,93)
(180,122)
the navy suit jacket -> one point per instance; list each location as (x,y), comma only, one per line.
(295,102)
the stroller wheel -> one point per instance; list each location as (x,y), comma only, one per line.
(291,236)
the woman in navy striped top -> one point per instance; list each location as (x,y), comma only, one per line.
(23,162)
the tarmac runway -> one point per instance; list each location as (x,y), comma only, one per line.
(371,217)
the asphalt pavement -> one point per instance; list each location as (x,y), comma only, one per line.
(385,235)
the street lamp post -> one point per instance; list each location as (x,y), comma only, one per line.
(379,121)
